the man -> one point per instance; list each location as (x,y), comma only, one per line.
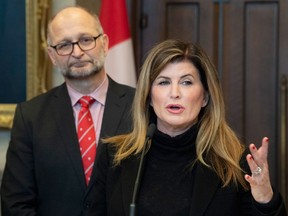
(44,173)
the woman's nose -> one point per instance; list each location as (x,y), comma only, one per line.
(175,91)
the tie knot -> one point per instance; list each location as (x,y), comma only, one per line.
(86,101)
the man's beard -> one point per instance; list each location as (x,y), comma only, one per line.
(71,74)
(85,73)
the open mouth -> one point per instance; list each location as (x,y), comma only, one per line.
(175,108)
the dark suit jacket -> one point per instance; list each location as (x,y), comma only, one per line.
(114,189)
(44,174)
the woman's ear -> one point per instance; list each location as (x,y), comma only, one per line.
(206,99)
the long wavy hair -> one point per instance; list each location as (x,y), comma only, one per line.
(217,146)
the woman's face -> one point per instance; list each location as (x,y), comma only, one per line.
(177,96)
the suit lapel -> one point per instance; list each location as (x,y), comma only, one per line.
(205,185)
(66,124)
(115,106)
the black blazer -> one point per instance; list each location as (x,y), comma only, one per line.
(43,173)
(114,189)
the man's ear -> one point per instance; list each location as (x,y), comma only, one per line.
(51,55)
(105,43)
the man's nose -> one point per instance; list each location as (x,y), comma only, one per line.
(77,51)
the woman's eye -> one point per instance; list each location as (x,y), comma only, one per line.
(163,82)
(187,82)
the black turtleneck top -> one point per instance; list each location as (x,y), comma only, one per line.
(167,180)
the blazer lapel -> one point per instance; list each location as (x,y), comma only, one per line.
(66,124)
(205,185)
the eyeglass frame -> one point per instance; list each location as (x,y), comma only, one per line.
(73,44)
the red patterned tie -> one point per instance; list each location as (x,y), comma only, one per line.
(86,136)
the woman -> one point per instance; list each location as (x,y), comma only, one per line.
(194,164)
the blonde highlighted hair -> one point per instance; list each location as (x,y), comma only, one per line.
(217,146)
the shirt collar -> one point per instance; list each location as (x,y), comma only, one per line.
(99,94)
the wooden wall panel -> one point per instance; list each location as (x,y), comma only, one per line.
(283,98)
(163,19)
(260,68)
(188,15)
(233,69)
(260,73)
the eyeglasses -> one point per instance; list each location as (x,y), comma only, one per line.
(84,43)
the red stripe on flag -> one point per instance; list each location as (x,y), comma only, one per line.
(114,20)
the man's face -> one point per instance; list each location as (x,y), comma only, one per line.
(72,25)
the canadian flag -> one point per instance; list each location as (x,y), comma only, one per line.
(119,63)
